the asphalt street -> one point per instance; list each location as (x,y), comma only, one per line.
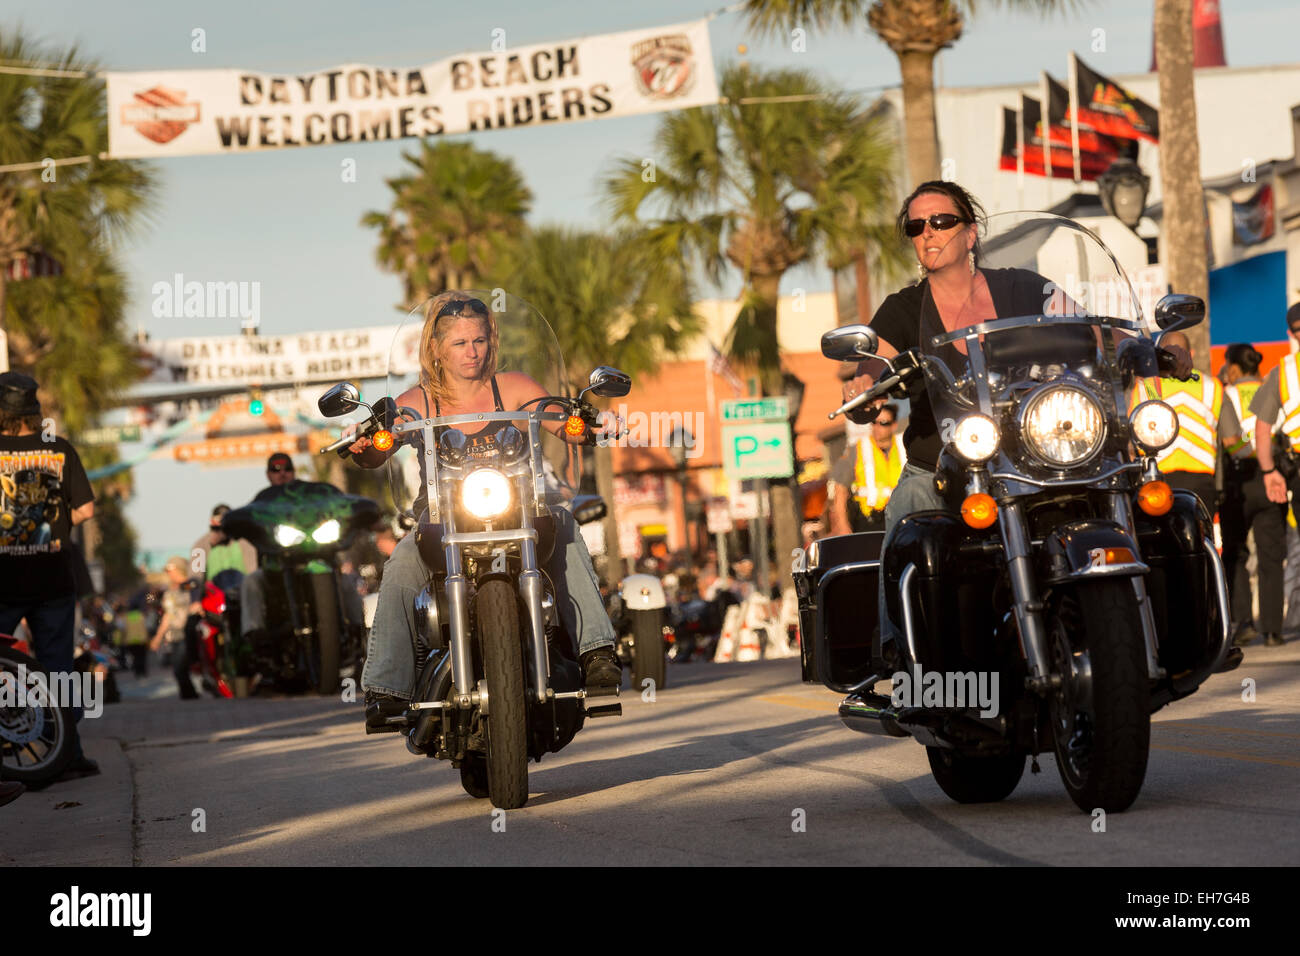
(731,764)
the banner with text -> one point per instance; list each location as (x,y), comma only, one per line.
(283,359)
(189,112)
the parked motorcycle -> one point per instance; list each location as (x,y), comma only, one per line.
(1066,593)
(642,629)
(313,626)
(499,680)
(35,737)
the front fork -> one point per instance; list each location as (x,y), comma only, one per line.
(1029,606)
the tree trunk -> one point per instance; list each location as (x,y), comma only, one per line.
(4,292)
(1183,231)
(863,278)
(605,488)
(920,130)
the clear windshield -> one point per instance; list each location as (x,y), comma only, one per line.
(444,356)
(1047,301)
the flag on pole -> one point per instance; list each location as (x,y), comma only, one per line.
(1040,141)
(718,365)
(1109,108)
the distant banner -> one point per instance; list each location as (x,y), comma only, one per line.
(283,359)
(179,113)
(1252,220)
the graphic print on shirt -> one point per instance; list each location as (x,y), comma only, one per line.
(31,494)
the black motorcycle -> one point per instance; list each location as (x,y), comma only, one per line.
(314,625)
(1065,593)
(498,678)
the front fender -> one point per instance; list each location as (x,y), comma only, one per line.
(1092,548)
(642,592)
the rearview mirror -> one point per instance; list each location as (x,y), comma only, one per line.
(339,400)
(1179,312)
(850,342)
(610,382)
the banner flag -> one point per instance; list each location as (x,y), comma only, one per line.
(191,112)
(1110,109)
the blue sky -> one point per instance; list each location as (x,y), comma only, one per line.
(286,220)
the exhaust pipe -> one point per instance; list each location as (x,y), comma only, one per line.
(871,714)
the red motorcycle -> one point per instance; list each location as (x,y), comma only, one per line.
(214,642)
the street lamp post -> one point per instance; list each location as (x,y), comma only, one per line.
(681,441)
(1123,189)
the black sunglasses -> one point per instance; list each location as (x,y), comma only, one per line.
(458,307)
(277,469)
(1295,329)
(940,222)
(881,421)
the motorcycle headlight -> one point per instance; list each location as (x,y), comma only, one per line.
(327,533)
(485,492)
(287,537)
(1063,425)
(1154,426)
(975,438)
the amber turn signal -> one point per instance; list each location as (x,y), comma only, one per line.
(1155,498)
(979,511)
(383,439)
(575,426)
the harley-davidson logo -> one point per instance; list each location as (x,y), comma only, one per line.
(665,66)
(160,114)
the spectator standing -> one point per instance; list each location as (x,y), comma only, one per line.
(44,493)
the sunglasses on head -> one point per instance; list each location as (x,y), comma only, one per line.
(461,306)
(939,222)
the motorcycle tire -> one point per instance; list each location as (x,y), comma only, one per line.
(35,741)
(323,656)
(503,665)
(971,779)
(474,775)
(649,658)
(1101,715)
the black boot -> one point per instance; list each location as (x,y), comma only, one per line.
(600,668)
(380,707)
(1274,640)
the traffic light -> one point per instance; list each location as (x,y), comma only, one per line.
(255,404)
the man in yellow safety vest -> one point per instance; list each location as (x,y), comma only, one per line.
(1280,393)
(1190,461)
(877,464)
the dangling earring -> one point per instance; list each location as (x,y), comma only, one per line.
(920,268)
(970,258)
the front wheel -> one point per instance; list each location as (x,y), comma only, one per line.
(323,654)
(503,667)
(648,654)
(1101,714)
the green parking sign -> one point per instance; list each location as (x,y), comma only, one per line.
(760,450)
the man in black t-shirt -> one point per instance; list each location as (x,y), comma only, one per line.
(44,492)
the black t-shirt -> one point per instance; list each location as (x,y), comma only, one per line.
(41,484)
(899,320)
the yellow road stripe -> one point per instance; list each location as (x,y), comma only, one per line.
(803,703)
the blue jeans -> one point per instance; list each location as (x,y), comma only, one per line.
(915,492)
(390,652)
(52,624)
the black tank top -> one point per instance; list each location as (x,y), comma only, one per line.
(478,444)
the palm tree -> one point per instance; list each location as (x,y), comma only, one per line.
(611,301)
(451,218)
(916,30)
(764,187)
(1183,225)
(73,212)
